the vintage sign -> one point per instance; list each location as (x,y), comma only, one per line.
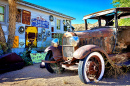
(39,22)
(16,42)
(26,16)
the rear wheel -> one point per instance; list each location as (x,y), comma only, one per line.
(91,68)
(52,67)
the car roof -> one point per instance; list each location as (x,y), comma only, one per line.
(105,13)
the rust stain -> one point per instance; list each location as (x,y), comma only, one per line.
(100,37)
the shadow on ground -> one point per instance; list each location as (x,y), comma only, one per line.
(35,73)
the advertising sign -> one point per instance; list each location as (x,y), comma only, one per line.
(39,22)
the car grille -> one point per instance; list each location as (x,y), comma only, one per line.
(67,48)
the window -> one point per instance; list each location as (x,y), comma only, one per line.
(1,14)
(58,24)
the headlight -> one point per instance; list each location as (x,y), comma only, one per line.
(55,42)
(74,40)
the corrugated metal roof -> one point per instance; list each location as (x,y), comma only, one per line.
(44,9)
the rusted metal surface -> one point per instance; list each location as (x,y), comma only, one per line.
(103,37)
(56,51)
(119,58)
(123,37)
(93,67)
(83,51)
(70,67)
(49,61)
(66,47)
(26,16)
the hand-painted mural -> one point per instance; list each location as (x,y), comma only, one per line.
(37,57)
(39,22)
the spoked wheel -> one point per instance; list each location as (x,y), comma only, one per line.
(52,67)
(91,68)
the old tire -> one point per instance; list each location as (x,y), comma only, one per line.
(91,68)
(48,65)
(52,67)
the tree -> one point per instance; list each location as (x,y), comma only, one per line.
(121,3)
(2,40)
(6,47)
(12,23)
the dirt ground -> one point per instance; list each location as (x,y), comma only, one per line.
(35,76)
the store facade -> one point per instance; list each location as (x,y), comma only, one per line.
(34,23)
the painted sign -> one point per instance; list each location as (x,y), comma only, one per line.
(16,42)
(37,57)
(26,16)
(39,22)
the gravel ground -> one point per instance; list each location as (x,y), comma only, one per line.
(35,76)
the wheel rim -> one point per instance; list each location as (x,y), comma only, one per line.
(93,68)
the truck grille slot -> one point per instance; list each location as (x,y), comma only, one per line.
(66,41)
(67,48)
(68,51)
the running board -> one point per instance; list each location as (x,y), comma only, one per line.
(72,67)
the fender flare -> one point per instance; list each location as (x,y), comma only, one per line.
(83,51)
(56,51)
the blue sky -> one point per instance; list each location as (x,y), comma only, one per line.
(74,8)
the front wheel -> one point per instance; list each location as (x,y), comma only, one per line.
(91,68)
(52,67)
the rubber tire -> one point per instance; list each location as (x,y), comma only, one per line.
(81,68)
(47,65)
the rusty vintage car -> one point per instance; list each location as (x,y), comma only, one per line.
(87,51)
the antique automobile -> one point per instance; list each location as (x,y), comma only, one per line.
(87,51)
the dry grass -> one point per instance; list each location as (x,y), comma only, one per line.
(81,27)
(114,70)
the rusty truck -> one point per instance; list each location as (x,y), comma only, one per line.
(88,50)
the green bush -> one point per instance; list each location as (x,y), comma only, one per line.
(124,22)
(27,60)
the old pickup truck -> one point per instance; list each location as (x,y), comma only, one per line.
(87,51)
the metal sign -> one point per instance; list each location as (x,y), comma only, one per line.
(26,16)
(39,22)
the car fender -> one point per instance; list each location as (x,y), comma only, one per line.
(83,51)
(56,51)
